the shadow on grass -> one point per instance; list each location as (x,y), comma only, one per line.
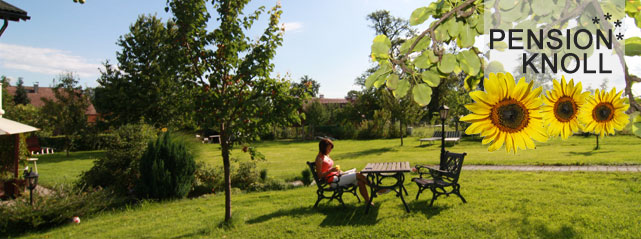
(351,155)
(335,215)
(62,156)
(528,228)
(423,206)
(589,153)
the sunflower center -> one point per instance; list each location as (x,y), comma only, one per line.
(565,109)
(603,112)
(510,115)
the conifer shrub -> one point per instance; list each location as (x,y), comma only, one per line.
(166,169)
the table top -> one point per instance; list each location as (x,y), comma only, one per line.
(389,167)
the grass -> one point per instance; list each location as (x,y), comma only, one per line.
(500,205)
(286,159)
(59,169)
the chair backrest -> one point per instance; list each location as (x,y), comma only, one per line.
(437,134)
(453,164)
(312,167)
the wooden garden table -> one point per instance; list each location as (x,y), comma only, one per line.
(376,172)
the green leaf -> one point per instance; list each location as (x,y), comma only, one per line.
(440,33)
(377,78)
(392,81)
(470,62)
(447,63)
(380,80)
(500,46)
(380,47)
(494,67)
(544,7)
(479,27)
(422,61)
(422,44)
(371,79)
(419,16)
(452,26)
(431,78)
(466,37)
(637,20)
(471,82)
(633,46)
(431,56)
(401,89)
(422,94)
(636,125)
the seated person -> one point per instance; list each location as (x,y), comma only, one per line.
(325,169)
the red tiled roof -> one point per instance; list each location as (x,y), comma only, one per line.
(47,93)
(331,100)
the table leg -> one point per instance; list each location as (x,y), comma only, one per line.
(400,177)
(372,191)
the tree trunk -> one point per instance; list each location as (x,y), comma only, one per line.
(597,142)
(225,153)
(400,125)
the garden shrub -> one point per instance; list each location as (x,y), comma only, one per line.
(207,180)
(306,176)
(166,169)
(55,209)
(119,168)
(263,174)
(245,176)
(7,149)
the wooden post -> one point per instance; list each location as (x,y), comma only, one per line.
(16,154)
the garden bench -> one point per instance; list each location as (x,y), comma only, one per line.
(33,145)
(324,187)
(450,136)
(446,177)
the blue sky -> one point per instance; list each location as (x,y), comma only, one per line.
(327,40)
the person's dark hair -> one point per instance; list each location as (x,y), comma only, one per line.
(323,144)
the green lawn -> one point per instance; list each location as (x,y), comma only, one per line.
(500,205)
(286,158)
(59,169)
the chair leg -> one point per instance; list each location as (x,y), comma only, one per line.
(404,189)
(458,193)
(420,190)
(435,195)
(317,201)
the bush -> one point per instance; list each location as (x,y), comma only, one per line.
(245,176)
(207,180)
(166,169)
(55,209)
(306,176)
(7,153)
(118,169)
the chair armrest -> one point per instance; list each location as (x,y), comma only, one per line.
(437,173)
(422,170)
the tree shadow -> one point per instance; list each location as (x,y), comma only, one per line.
(589,153)
(335,215)
(528,227)
(351,155)
(61,156)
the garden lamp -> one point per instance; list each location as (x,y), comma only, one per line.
(443,110)
(32,182)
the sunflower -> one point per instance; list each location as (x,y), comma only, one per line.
(604,112)
(508,113)
(561,109)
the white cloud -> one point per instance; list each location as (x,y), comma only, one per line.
(45,60)
(293,26)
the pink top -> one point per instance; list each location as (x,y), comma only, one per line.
(326,165)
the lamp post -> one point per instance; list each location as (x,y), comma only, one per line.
(32,182)
(443,113)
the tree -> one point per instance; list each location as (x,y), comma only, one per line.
(238,96)
(316,115)
(7,100)
(67,111)
(307,85)
(21,97)
(149,82)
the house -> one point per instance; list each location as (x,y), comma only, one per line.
(339,102)
(36,93)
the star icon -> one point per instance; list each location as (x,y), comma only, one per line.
(619,36)
(595,20)
(617,23)
(607,16)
